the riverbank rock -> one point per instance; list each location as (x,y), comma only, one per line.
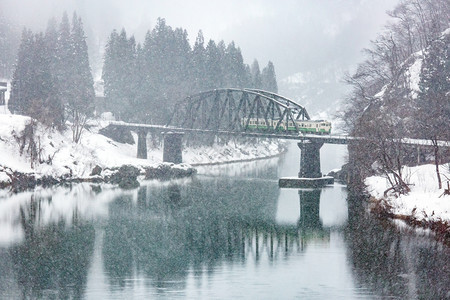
(169,171)
(5,180)
(125,177)
(22,181)
(97,170)
(341,175)
(47,181)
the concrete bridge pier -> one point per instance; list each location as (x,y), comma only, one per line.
(173,147)
(309,175)
(310,159)
(142,144)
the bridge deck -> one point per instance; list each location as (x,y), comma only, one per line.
(328,139)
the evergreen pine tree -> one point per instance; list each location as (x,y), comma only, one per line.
(21,82)
(64,60)
(256,75)
(119,75)
(44,105)
(51,45)
(83,84)
(199,64)
(214,72)
(180,85)
(110,73)
(146,93)
(34,92)
(143,88)
(168,59)
(269,79)
(248,76)
(80,104)
(158,59)
(51,42)
(235,73)
(131,85)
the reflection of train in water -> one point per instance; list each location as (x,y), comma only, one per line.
(304,126)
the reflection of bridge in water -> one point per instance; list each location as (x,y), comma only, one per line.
(278,240)
(160,232)
(249,237)
(159,241)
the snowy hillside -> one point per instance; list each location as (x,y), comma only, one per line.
(59,157)
(67,158)
(413,103)
(411,70)
(425,201)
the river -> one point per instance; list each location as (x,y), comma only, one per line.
(228,233)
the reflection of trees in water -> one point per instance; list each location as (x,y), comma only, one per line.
(392,263)
(53,260)
(172,230)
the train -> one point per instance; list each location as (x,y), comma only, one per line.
(304,126)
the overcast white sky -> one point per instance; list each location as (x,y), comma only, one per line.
(297,35)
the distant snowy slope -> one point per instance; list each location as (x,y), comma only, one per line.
(319,91)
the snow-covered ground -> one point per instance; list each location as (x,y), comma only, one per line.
(67,157)
(425,201)
(230,153)
(78,160)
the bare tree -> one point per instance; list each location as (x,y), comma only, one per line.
(382,107)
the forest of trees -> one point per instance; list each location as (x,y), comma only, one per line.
(52,80)
(402,90)
(143,82)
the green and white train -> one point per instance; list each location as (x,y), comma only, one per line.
(304,126)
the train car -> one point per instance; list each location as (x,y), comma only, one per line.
(254,123)
(316,126)
(304,126)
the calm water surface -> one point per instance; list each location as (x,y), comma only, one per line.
(228,233)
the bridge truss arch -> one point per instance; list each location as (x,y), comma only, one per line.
(231,110)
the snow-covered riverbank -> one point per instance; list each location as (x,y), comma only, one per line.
(96,157)
(425,206)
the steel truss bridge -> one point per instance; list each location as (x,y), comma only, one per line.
(227,112)
(231,110)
